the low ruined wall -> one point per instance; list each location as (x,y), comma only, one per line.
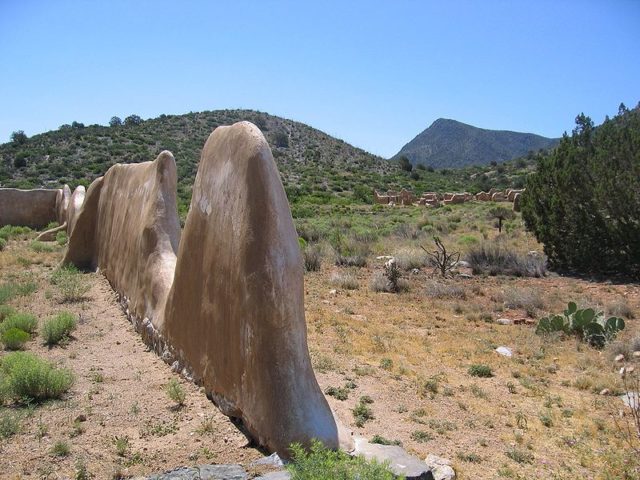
(28,208)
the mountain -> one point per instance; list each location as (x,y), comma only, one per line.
(451,144)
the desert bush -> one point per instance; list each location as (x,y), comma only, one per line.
(70,283)
(480,370)
(40,247)
(14,338)
(60,449)
(3,244)
(390,280)
(349,252)
(440,290)
(621,308)
(10,290)
(58,328)
(175,392)
(529,299)
(22,321)
(9,231)
(347,281)
(321,463)
(26,377)
(380,440)
(593,328)
(61,238)
(494,259)
(362,412)
(312,256)
(408,259)
(5,311)
(339,393)
(9,424)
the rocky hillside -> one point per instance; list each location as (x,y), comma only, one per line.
(451,144)
(308,159)
(315,167)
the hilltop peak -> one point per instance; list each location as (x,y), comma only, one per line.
(448,143)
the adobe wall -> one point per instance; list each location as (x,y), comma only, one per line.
(28,208)
(235,313)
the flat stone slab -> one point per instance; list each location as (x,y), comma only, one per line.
(400,462)
(275,476)
(204,472)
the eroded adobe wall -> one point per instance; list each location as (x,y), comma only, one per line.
(128,227)
(235,313)
(28,208)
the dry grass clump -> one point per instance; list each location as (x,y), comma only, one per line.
(346,281)
(380,283)
(410,258)
(528,299)
(441,290)
(312,256)
(495,259)
(620,308)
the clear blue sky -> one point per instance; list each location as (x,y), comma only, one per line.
(373,73)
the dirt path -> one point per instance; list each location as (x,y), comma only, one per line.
(119,392)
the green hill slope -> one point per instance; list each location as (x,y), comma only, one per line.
(315,167)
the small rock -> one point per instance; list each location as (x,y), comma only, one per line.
(631,399)
(222,472)
(505,351)
(333,291)
(636,354)
(272,459)
(463,264)
(384,257)
(619,358)
(605,391)
(415,271)
(465,275)
(440,468)
(504,321)
(282,475)
(400,462)
(81,418)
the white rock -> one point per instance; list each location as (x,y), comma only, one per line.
(619,358)
(636,354)
(440,467)
(631,399)
(505,351)
(504,321)
(333,291)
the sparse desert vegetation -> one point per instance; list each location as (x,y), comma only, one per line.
(413,366)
